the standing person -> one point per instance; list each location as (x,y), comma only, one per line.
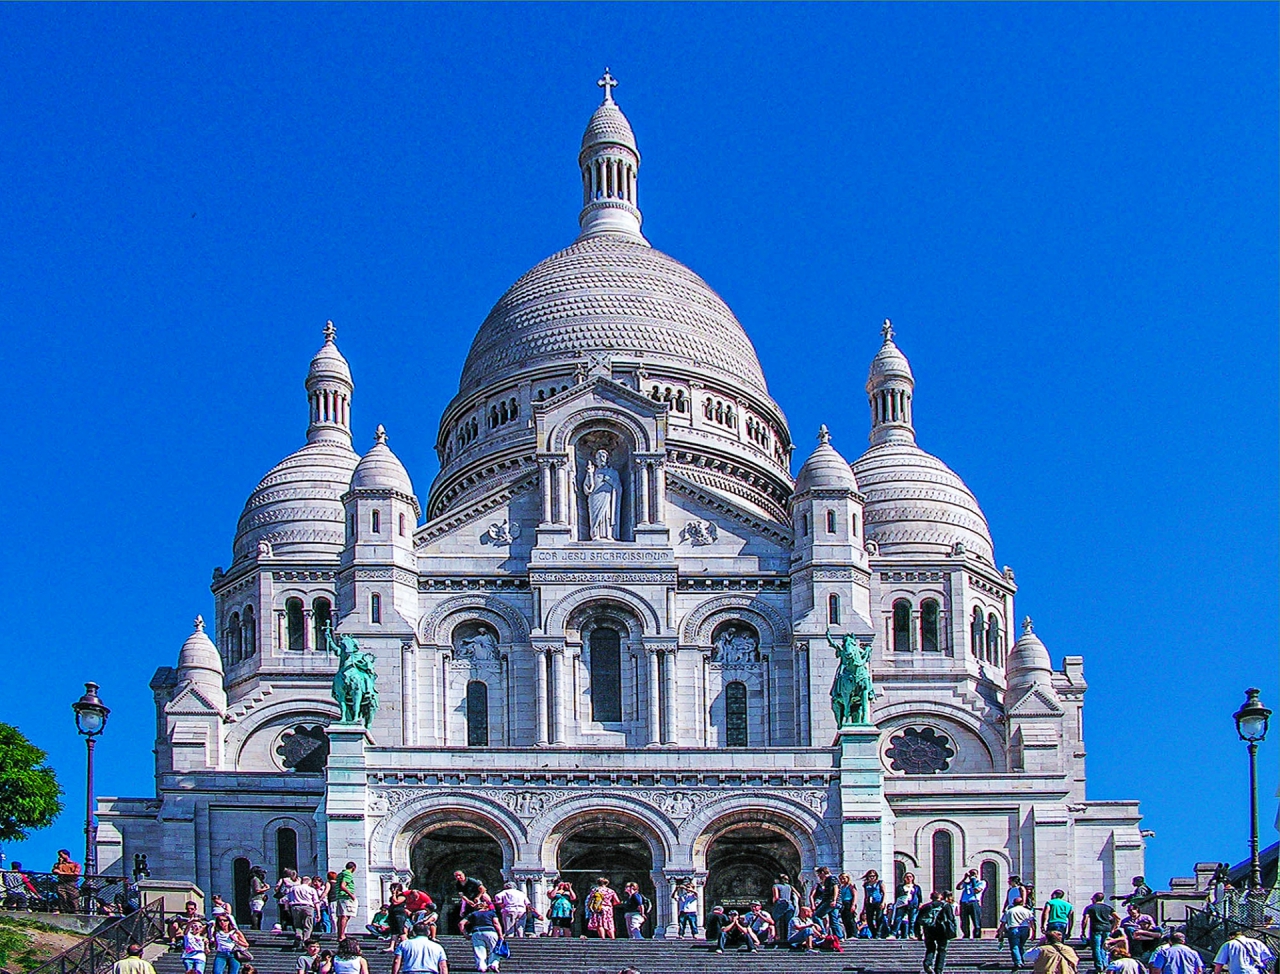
(68,872)
(872,901)
(1176,957)
(304,902)
(1242,955)
(1058,915)
(1018,924)
(485,928)
(18,891)
(633,911)
(345,903)
(783,903)
(686,897)
(397,913)
(133,962)
(419,954)
(513,904)
(823,900)
(330,899)
(258,890)
(847,905)
(936,925)
(283,916)
(907,905)
(1097,922)
(324,912)
(1016,891)
(348,959)
(600,903)
(971,889)
(1121,962)
(561,912)
(1055,957)
(469,891)
(194,947)
(229,946)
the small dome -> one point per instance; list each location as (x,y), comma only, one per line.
(825,468)
(1028,661)
(198,660)
(297,508)
(889,362)
(381,470)
(917,505)
(328,363)
(608,126)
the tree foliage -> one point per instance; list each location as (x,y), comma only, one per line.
(29,790)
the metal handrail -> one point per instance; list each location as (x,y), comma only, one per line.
(98,952)
(1208,930)
(96,895)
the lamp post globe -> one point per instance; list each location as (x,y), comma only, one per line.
(1251,724)
(91,719)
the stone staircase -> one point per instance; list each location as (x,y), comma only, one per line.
(272,955)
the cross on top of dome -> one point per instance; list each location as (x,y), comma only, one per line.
(608,83)
(330,332)
(887,330)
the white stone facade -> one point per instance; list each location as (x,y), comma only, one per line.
(647,703)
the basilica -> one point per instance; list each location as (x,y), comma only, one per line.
(604,642)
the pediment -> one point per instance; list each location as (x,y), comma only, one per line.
(600,399)
(191,701)
(1036,702)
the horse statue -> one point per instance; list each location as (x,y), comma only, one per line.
(851,690)
(355,683)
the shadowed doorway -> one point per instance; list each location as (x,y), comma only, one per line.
(438,852)
(619,854)
(744,862)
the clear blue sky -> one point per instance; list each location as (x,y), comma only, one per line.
(1070,212)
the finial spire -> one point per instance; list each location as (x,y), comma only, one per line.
(380,435)
(330,333)
(887,330)
(1027,627)
(824,434)
(608,83)
(199,623)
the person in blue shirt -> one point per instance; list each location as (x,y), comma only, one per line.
(971,889)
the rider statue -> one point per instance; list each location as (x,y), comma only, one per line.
(852,691)
(354,685)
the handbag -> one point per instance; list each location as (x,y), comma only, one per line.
(242,955)
(502,950)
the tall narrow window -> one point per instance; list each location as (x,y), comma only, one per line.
(286,850)
(375,522)
(853,524)
(975,633)
(250,626)
(402,523)
(804,525)
(831,522)
(322,619)
(902,626)
(929,629)
(234,638)
(943,874)
(240,889)
(993,638)
(477,714)
(990,874)
(899,873)
(606,675)
(375,607)
(735,714)
(833,610)
(295,623)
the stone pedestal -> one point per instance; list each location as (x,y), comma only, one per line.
(173,893)
(346,800)
(866,821)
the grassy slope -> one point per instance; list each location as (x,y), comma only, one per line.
(25,944)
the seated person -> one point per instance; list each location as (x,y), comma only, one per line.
(177,925)
(735,931)
(804,931)
(379,926)
(762,924)
(715,922)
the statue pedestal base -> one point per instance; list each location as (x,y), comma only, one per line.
(866,821)
(341,819)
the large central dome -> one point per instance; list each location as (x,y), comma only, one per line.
(614,295)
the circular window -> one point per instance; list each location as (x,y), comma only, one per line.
(304,748)
(919,750)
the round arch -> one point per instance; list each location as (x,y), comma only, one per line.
(511,625)
(270,717)
(568,431)
(893,716)
(792,820)
(392,842)
(646,614)
(698,624)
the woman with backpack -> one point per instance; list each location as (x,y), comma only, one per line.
(600,903)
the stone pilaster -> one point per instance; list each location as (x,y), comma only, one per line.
(346,800)
(866,823)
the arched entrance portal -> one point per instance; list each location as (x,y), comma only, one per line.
(441,850)
(744,862)
(598,848)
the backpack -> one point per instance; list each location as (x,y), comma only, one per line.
(939,920)
(596,901)
(646,904)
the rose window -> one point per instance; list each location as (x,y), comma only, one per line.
(919,751)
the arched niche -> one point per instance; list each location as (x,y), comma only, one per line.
(601,457)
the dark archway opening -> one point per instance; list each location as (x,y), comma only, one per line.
(240,890)
(437,853)
(744,863)
(620,855)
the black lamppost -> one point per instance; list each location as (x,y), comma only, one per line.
(91,719)
(1251,725)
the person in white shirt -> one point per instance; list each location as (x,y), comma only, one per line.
(304,905)
(1242,955)
(1018,924)
(419,954)
(513,904)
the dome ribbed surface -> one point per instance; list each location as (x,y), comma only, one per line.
(609,125)
(890,361)
(606,294)
(1028,662)
(198,659)
(916,503)
(380,469)
(825,468)
(297,507)
(329,363)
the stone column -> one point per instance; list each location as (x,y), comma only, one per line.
(308,630)
(866,838)
(659,513)
(409,692)
(655,713)
(642,491)
(669,731)
(540,696)
(346,798)
(545,474)
(557,695)
(280,628)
